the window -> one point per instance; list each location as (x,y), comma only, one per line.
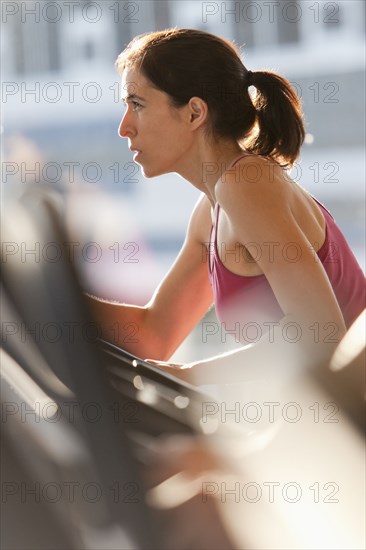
(289,16)
(332,15)
(36,47)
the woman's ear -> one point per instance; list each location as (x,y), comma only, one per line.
(198,110)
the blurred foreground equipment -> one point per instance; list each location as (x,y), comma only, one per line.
(104,451)
(79,416)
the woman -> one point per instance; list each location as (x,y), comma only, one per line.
(258,245)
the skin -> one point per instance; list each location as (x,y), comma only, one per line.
(276,209)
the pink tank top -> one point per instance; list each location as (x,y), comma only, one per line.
(246,305)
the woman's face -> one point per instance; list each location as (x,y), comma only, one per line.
(160,133)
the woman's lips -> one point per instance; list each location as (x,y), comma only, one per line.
(135,151)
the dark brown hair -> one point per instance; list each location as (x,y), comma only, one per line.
(185,63)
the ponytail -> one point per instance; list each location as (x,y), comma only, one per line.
(279,129)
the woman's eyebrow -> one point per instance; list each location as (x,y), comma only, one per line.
(132,97)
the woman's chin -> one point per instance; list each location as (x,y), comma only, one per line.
(150,173)
(145,171)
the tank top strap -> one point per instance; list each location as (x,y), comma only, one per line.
(244,154)
(216,224)
(214,227)
(217,206)
(322,207)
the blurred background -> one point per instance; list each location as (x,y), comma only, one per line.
(60,114)
(61,110)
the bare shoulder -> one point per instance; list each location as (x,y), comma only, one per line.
(259,197)
(254,181)
(199,225)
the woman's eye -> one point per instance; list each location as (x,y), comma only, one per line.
(136,106)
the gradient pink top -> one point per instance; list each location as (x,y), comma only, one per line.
(244,304)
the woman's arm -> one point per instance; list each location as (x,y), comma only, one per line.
(260,212)
(179,302)
(277,355)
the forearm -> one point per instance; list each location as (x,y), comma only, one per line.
(260,361)
(121,324)
(283,350)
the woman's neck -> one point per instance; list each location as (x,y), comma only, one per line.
(205,167)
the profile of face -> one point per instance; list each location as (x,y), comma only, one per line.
(160,134)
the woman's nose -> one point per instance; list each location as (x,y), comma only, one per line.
(125,128)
